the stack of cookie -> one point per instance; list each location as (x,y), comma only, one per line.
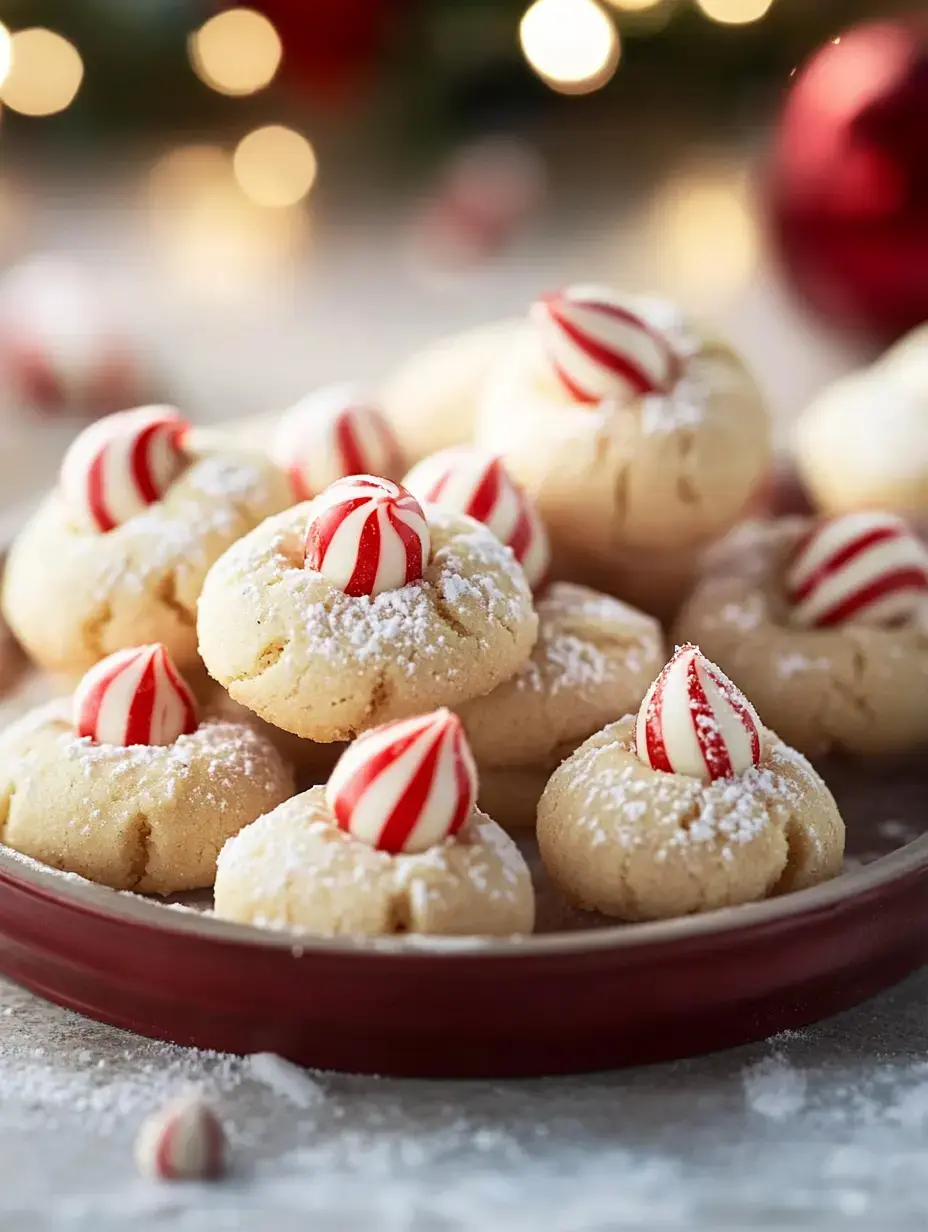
(427,638)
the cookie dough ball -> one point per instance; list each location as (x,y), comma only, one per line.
(593,661)
(431,399)
(863,442)
(640,844)
(146,818)
(296,869)
(852,687)
(303,655)
(72,595)
(631,487)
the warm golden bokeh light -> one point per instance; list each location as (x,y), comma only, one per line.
(6,53)
(734,12)
(572,45)
(703,234)
(274,166)
(44,75)
(634,6)
(236,52)
(218,246)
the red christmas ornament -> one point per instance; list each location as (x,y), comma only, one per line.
(849,178)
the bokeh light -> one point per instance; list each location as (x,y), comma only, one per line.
(236,52)
(274,165)
(572,45)
(219,247)
(734,12)
(703,233)
(634,6)
(6,53)
(45,73)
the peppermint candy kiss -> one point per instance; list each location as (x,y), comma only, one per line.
(467,480)
(601,346)
(862,568)
(367,535)
(694,721)
(330,434)
(134,697)
(183,1141)
(407,785)
(122,464)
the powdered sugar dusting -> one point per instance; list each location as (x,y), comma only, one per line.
(773,1088)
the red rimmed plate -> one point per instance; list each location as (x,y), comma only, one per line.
(555,1003)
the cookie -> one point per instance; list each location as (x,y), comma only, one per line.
(862,443)
(689,806)
(288,642)
(592,663)
(431,400)
(92,573)
(393,844)
(847,684)
(126,786)
(640,438)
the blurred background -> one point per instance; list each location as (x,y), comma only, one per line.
(224,206)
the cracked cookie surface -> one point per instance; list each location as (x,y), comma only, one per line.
(294,868)
(851,688)
(303,655)
(592,663)
(145,818)
(73,597)
(618,837)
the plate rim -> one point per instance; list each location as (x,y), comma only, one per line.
(126,907)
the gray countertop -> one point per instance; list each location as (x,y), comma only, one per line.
(821,1128)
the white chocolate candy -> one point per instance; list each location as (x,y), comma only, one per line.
(862,568)
(694,721)
(122,464)
(469,480)
(134,696)
(601,345)
(331,433)
(367,535)
(183,1141)
(407,785)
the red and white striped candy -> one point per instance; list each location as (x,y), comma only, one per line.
(134,696)
(332,433)
(183,1141)
(694,721)
(862,568)
(122,464)
(367,535)
(407,785)
(468,480)
(601,346)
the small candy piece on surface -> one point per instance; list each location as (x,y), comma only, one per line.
(134,696)
(862,568)
(600,346)
(122,464)
(183,1141)
(469,480)
(332,433)
(694,721)
(367,535)
(407,785)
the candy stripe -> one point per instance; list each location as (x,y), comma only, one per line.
(367,535)
(134,697)
(122,464)
(865,567)
(468,480)
(694,721)
(405,786)
(331,434)
(600,347)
